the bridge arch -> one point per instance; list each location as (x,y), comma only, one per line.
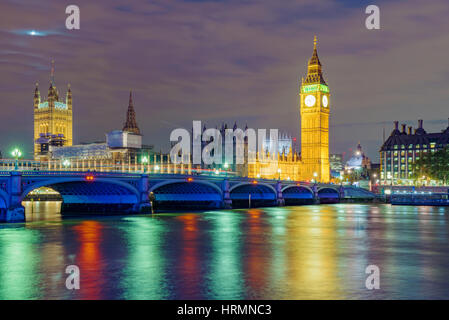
(163,183)
(181,194)
(328,195)
(100,195)
(301,187)
(4,200)
(252,184)
(297,195)
(262,195)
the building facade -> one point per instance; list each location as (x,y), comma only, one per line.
(403,148)
(358,160)
(336,165)
(123,150)
(53,120)
(315,109)
(53,137)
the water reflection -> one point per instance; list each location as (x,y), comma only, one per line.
(19,260)
(42,210)
(257,254)
(145,272)
(225,271)
(305,252)
(312,264)
(89,259)
(188,260)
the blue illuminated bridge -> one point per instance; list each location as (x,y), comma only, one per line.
(138,193)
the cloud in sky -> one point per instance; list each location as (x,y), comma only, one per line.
(221,61)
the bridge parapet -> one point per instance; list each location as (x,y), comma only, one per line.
(133,189)
(13,211)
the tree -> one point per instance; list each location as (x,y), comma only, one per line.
(433,165)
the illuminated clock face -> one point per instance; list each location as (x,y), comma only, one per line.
(325,101)
(310,101)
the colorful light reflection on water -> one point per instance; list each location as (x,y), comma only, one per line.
(307,252)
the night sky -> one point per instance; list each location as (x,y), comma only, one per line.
(225,60)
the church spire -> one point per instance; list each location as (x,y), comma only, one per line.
(131,124)
(36,91)
(52,73)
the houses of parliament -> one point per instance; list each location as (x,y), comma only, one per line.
(53,129)
(312,164)
(53,119)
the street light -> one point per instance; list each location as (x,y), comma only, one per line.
(226,166)
(217,172)
(144,162)
(314,180)
(16,153)
(279,172)
(66,163)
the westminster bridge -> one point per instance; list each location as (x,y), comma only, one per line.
(140,191)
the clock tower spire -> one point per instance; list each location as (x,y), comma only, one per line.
(315,110)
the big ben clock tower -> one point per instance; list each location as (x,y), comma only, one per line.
(315,105)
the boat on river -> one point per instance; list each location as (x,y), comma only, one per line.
(420,198)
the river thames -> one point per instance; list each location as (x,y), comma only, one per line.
(303,252)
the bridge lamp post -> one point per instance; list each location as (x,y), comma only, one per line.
(66,163)
(279,172)
(156,168)
(217,172)
(314,176)
(226,166)
(144,162)
(16,153)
